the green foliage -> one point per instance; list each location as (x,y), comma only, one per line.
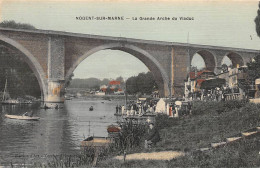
(85,83)
(200,107)
(231,105)
(224,68)
(131,136)
(253,69)
(240,154)
(210,122)
(105,81)
(91,83)
(21,80)
(14,25)
(120,78)
(257,21)
(243,153)
(143,83)
(163,121)
(69,80)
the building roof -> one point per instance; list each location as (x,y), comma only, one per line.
(192,74)
(114,82)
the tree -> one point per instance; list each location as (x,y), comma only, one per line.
(224,68)
(144,83)
(21,79)
(254,65)
(254,69)
(105,81)
(120,78)
(15,25)
(257,21)
(69,81)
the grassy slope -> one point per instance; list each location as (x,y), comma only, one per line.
(244,153)
(209,122)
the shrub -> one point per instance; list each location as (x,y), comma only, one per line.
(131,136)
(164,121)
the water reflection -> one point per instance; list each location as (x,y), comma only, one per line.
(58,131)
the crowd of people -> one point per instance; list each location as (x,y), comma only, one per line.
(217,94)
(138,108)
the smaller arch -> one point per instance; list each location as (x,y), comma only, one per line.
(236,59)
(226,60)
(209,59)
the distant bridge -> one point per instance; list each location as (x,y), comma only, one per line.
(54,55)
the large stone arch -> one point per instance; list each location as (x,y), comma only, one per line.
(235,58)
(208,57)
(152,64)
(30,60)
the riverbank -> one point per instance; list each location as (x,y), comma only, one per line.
(210,122)
(106,97)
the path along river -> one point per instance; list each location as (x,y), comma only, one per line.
(58,131)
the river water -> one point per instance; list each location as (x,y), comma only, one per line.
(59,131)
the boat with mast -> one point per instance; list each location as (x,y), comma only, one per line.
(8,101)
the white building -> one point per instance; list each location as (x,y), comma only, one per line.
(163,106)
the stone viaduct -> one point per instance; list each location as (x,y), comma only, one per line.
(54,55)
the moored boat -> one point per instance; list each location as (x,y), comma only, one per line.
(96,142)
(22,117)
(113,129)
(117,114)
(8,100)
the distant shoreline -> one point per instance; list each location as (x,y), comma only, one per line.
(108,97)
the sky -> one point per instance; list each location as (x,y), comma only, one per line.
(224,23)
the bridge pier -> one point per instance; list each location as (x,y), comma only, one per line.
(55,96)
(56,73)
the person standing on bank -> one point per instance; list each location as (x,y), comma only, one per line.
(153,136)
(117,109)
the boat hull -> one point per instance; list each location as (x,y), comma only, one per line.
(97,142)
(113,128)
(19,117)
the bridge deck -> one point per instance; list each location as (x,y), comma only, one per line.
(129,40)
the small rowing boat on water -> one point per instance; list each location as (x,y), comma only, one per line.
(96,142)
(21,117)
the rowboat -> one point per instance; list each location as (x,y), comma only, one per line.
(117,114)
(113,128)
(20,117)
(96,142)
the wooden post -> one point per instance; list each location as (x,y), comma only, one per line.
(96,154)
